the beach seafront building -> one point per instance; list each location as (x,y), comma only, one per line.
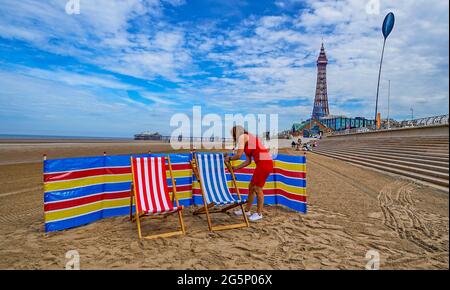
(321,121)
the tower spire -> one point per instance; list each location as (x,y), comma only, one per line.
(321,108)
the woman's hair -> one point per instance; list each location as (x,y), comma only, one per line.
(237,131)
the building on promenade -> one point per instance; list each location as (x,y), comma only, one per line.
(310,128)
(338,123)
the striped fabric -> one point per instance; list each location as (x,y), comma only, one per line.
(150,185)
(78,191)
(213,179)
(286,185)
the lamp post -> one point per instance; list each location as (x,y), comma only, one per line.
(389,103)
(388,25)
(412,113)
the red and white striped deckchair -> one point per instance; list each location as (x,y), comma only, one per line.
(151,193)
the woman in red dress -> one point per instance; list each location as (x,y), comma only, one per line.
(253,149)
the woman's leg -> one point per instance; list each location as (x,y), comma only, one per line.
(259,192)
(250,198)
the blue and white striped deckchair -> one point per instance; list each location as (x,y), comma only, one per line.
(209,169)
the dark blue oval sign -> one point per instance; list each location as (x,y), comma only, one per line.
(388,24)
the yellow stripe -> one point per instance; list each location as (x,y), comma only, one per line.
(86,181)
(240,184)
(269,185)
(292,189)
(88,208)
(180,173)
(52,186)
(183,194)
(278,164)
(290,166)
(85,209)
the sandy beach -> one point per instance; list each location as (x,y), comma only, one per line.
(351,211)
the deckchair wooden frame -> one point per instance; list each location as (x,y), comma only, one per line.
(205,209)
(138,216)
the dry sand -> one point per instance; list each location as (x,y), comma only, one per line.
(351,211)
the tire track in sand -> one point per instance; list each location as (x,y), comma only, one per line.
(401,215)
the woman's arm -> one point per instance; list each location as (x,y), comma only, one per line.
(241,145)
(246,163)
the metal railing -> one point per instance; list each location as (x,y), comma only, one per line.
(185,139)
(428,121)
(422,122)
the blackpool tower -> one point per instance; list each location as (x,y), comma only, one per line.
(321,100)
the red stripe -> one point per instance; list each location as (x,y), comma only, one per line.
(288,173)
(295,197)
(158,184)
(180,188)
(281,192)
(85,173)
(141,189)
(100,171)
(85,200)
(149,182)
(245,191)
(181,166)
(166,188)
(137,188)
(245,170)
(197,191)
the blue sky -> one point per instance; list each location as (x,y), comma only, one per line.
(125,66)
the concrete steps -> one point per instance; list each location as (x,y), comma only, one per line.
(440,183)
(440,162)
(436,158)
(424,160)
(435,171)
(398,150)
(442,153)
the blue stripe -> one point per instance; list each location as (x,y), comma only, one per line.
(180,181)
(86,190)
(291,159)
(291,181)
(295,205)
(69,164)
(286,158)
(268,199)
(210,159)
(82,163)
(174,158)
(222,195)
(91,217)
(225,179)
(247,177)
(121,160)
(208,180)
(85,219)
(99,188)
(220,178)
(186,202)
